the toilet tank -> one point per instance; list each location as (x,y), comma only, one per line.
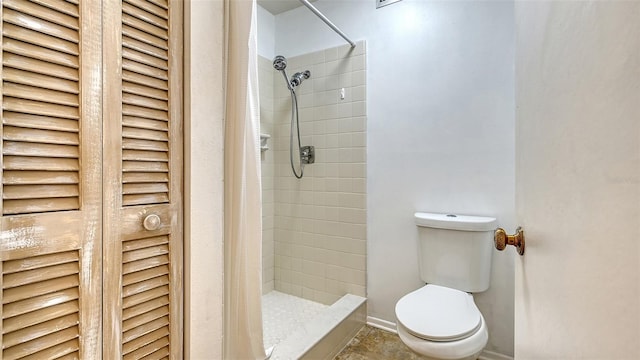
(455,250)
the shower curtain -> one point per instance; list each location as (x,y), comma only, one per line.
(243,205)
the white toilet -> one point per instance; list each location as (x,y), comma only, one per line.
(440,320)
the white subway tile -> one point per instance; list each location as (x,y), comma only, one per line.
(320,220)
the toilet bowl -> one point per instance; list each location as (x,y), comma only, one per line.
(441,323)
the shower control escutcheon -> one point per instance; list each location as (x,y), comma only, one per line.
(308,154)
(501,240)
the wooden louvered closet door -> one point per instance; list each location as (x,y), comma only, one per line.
(50,236)
(143,152)
(91,148)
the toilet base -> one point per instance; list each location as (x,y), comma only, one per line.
(465,349)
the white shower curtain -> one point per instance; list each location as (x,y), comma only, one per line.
(243,205)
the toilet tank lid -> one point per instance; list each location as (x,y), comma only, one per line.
(455,222)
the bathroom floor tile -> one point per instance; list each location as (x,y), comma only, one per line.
(374,344)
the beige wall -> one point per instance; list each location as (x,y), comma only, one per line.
(320,220)
(204,96)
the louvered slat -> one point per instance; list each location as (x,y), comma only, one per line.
(145,285)
(142,25)
(129,189)
(131,32)
(40,150)
(36,163)
(40,308)
(145,295)
(162,3)
(133,88)
(26,63)
(139,155)
(144,275)
(39,122)
(40,136)
(145,199)
(144,14)
(47,342)
(31,276)
(22,192)
(40,94)
(65,350)
(156,318)
(16,207)
(141,57)
(145,106)
(129,178)
(141,79)
(144,134)
(140,111)
(145,48)
(39,177)
(35,303)
(39,52)
(144,243)
(39,288)
(134,144)
(60,5)
(38,316)
(39,39)
(151,336)
(42,329)
(150,7)
(148,166)
(30,78)
(158,355)
(21,19)
(144,264)
(148,349)
(37,262)
(144,253)
(143,101)
(32,8)
(144,69)
(41,106)
(139,310)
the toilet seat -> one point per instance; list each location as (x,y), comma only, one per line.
(465,349)
(440,314)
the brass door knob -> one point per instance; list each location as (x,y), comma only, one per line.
(152,222)
(501,239)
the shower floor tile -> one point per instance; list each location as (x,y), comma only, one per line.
(282,314)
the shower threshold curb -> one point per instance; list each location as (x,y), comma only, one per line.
(342,320)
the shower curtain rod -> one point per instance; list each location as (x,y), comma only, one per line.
(327,21)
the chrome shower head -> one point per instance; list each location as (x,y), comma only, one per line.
(279,63)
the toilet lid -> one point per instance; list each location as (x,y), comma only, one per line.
(439,314)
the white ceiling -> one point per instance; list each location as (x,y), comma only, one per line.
(279,6)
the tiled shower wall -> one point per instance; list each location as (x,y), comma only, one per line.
(319,227)
(265,79)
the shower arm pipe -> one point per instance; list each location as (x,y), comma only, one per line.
(327,21)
